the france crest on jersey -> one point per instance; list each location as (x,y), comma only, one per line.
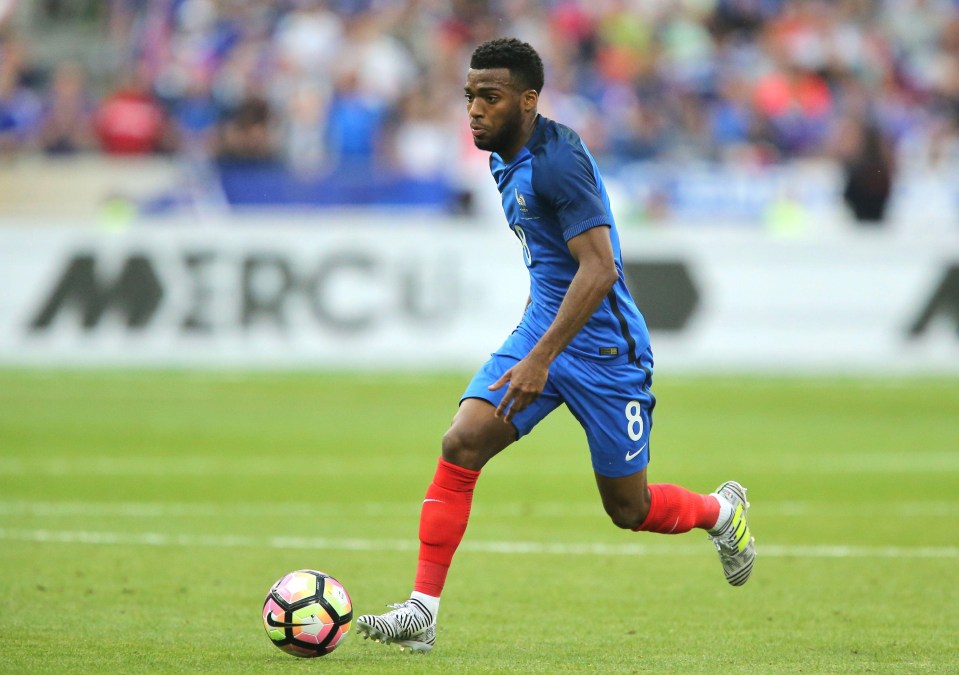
(551,192)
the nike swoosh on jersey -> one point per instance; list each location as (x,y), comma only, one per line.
(633,455)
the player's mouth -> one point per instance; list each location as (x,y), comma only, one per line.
(478,132)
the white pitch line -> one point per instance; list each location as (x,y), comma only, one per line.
(501,547)
(539,508)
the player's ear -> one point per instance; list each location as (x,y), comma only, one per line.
(530,100)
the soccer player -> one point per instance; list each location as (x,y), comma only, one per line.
(581,341)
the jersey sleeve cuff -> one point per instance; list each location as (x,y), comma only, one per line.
(588,224)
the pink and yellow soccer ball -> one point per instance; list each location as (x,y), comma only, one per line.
(307,613)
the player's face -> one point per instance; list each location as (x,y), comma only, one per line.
(499,111)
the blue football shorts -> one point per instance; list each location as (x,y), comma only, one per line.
(612,402)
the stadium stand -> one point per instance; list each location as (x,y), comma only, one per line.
(283,101)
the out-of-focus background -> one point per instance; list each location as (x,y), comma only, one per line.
(716,109)
(292,181)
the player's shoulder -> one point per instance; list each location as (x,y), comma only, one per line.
(557,149)
(553,139)
(560,159)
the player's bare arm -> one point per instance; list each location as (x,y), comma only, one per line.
(593,279)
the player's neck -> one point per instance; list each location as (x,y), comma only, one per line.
(529,127)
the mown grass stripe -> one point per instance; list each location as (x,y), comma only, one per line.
(498,547)
(127,509)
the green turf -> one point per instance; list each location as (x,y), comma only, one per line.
(143,516)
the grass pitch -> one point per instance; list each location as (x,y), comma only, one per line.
(143,517)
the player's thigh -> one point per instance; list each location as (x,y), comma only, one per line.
(614,406)
(476,435)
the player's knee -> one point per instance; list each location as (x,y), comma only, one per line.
(626,520)
(628,515)
(463,449)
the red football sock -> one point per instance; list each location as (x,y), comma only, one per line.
(674,509)
(446,510)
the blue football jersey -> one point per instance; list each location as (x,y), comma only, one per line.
(551,192)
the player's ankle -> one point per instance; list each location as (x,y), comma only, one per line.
(725,514)
(431,602)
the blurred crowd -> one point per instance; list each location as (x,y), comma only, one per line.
(317,84)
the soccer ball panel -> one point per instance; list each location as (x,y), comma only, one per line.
(335,594)
(312,624)
(341,632)
(296,586)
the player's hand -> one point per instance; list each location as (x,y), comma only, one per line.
(526,379)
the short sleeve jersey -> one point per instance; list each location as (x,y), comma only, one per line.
(552,191)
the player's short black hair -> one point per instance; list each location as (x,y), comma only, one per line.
(520,58)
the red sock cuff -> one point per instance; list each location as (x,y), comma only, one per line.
(455,478)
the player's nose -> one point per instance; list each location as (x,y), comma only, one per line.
(475,110)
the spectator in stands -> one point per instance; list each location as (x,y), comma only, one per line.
(798,104)
(356,125)
(423,135)
(130,121)
(308,42)
(247,135)
(20,106)
(868,169)
(195,115)
(69,111)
